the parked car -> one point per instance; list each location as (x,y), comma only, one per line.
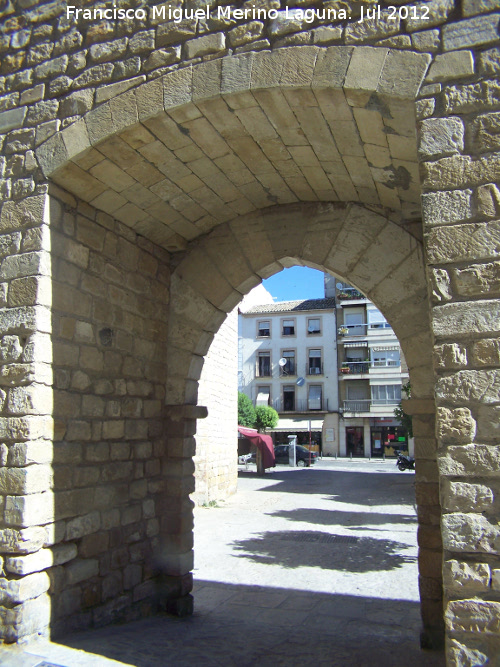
(303,457)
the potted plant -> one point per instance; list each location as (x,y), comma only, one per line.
(343,331)
(345,369)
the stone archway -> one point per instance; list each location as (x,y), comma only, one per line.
(386,263)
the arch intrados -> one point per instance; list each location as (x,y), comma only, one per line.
(370,78)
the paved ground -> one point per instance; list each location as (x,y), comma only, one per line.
(302,567)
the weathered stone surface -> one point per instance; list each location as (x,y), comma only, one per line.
(472,97)
(30,618)
(455,426)
(451,65)
(440,208)
(463,243)
(460,171)
(15,591)
(202,46)
(450,355)
(462,497)
(439,11)
(41,560)
(471,460)
(469,386)
(478,31)
(486,352)
(477,280)
(488,200)
(441,137)
(473,616)
(485,133)
(465,577)
(24,541)
(460,319)
(469,533)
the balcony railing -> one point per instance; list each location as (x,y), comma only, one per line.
(300,405)
(352,330)
(288,370)
(358,367)
(314,370)
(365,405)
(355,367)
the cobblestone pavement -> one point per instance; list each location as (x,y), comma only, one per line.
(301,567)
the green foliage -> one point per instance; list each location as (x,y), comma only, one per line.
(267,417)
(401,416)
(246,411)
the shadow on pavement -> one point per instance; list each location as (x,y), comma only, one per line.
(242,626)
(354,520)
(341,486)
(344,553)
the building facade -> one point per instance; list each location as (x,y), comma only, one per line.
(288,360)
(372,371)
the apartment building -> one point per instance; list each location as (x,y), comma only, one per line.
(372,371)
(288,360)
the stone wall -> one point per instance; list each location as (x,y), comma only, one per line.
(178,128)
(216,469)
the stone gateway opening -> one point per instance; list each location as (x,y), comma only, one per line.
(132,230)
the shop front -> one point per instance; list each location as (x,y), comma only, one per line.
(308,432)
(388,438)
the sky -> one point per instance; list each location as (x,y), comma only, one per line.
(298,282)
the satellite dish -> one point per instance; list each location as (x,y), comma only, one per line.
(300,382)
(339,285)
(282,362)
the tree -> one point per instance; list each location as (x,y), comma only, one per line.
(246,411)
(400,414)
(267,417)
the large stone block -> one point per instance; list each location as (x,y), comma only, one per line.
(462,496)
(477,280)
(24,541)
(455,427)
(441,137)
(469,387)
(461,320)
(15,591)
(41,560)
(441,208)
(466,578)
(470,460)
(473,616)
(469,533)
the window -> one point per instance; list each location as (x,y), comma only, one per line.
(264,364)
(386,358)
(313,326)
(289,398)
(289,367)
(264,329)
(354,322)
(288,327)
(376,320)
(314,397)
(314,366)
(263,396)
(386,394)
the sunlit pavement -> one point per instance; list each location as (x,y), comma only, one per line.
(301,567)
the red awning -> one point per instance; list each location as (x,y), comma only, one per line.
(263,442)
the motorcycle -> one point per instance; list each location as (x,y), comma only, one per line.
(405,462)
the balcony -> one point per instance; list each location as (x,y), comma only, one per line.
(348,330)
(361,367)
(368,405)
(287,371)
(355,367)
(349,294)
(300,405)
